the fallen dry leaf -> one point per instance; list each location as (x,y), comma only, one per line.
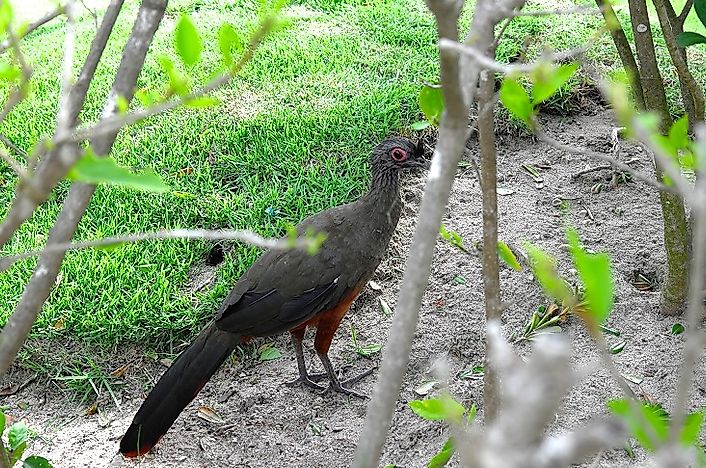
(208,414)
(91,410)
(59,324)
(166,362)
(120,371)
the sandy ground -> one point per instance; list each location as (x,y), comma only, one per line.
(266,424)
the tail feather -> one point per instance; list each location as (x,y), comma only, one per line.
(176,388)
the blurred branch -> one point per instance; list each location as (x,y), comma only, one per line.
(247,237)
(40,22)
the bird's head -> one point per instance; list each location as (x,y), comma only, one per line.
(397,153)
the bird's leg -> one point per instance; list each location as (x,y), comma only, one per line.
(304,377)
(342,387)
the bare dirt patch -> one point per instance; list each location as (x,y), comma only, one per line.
(268,424)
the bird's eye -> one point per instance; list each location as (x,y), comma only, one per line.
(398,154)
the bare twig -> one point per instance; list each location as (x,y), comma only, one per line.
(64,122)
(247,237)
(26,74)
(489,63)
(18,151)
(40,22)
(685,11)
(544,137)
(590,170)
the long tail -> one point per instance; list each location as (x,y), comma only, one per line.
(178,386)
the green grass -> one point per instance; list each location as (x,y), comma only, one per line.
(292,134)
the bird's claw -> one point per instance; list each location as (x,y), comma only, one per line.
(342,387)
(307,381)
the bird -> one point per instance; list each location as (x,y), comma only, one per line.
(290,291)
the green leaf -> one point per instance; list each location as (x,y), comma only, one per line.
(177,81)
(654,415)
(452,237)
(700,7)
(548,80)
(437,409)
(420,125)
(9,72)
(677,329)
(270,353)
(508,256)
(679,132)
(617,347)
(5,16)
(472,412)
(147,97)
(203,101)
(17,453)
(36,461)
(94,170)
(368,350)
(442,458)
(17,435)
(515,98)
(431,103)
(122,104)
(3,421)
(687,39)
(595,273)
(229,42)
(188,41)
(544,268)
(692,428)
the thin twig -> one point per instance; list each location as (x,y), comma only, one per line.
(247,237)
(543,137)
(63,118)
(40,22)
(118,121)
(590,170)
(13,147)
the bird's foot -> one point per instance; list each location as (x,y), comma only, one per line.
(343,387)
(307,380)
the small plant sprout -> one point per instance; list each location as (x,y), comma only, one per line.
(365,351)
(17,437)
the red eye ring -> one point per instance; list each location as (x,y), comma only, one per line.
(398,154)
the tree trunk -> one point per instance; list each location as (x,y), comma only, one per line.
(627,58)
(491,276)
(676,240)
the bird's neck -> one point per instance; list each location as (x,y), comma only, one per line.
(385,183)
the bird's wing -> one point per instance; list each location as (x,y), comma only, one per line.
(271,312)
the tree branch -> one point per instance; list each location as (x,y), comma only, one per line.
(247,237)
(37,290)
(49,174)
(40,22)
(459,83)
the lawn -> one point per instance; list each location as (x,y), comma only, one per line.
(290,138)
